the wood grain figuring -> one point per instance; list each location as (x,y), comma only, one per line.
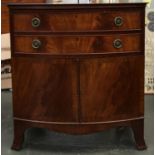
(46,80)
(5,12)
(79,44)
(115,85)
(77,82)
(5,19)
(67,21)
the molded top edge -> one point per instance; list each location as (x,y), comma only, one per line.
(70,6)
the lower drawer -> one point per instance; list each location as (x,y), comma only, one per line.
(78,44)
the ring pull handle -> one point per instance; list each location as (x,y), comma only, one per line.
(118,21)
(117,43)
(36,22)
(36,44)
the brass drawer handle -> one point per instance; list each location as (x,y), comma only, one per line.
(117,43)
(35,22)
(36,43)
(118,21)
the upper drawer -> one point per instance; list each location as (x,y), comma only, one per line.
(78,21)
(78,44)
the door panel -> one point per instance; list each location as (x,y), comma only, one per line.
(112,88)
(47,88)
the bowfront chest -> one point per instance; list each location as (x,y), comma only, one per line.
(78,68)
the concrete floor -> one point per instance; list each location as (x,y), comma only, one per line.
(43,142)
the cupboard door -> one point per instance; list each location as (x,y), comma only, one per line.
(112,88)
(45,89)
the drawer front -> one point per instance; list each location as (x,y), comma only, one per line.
(78,44)
(78,21)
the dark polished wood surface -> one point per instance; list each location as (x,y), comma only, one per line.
(4,18)
(112,88)
(5,12)
(77,81)
(79,44)
(47,80)
(70,21)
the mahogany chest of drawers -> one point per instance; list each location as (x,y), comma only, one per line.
(78,69)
